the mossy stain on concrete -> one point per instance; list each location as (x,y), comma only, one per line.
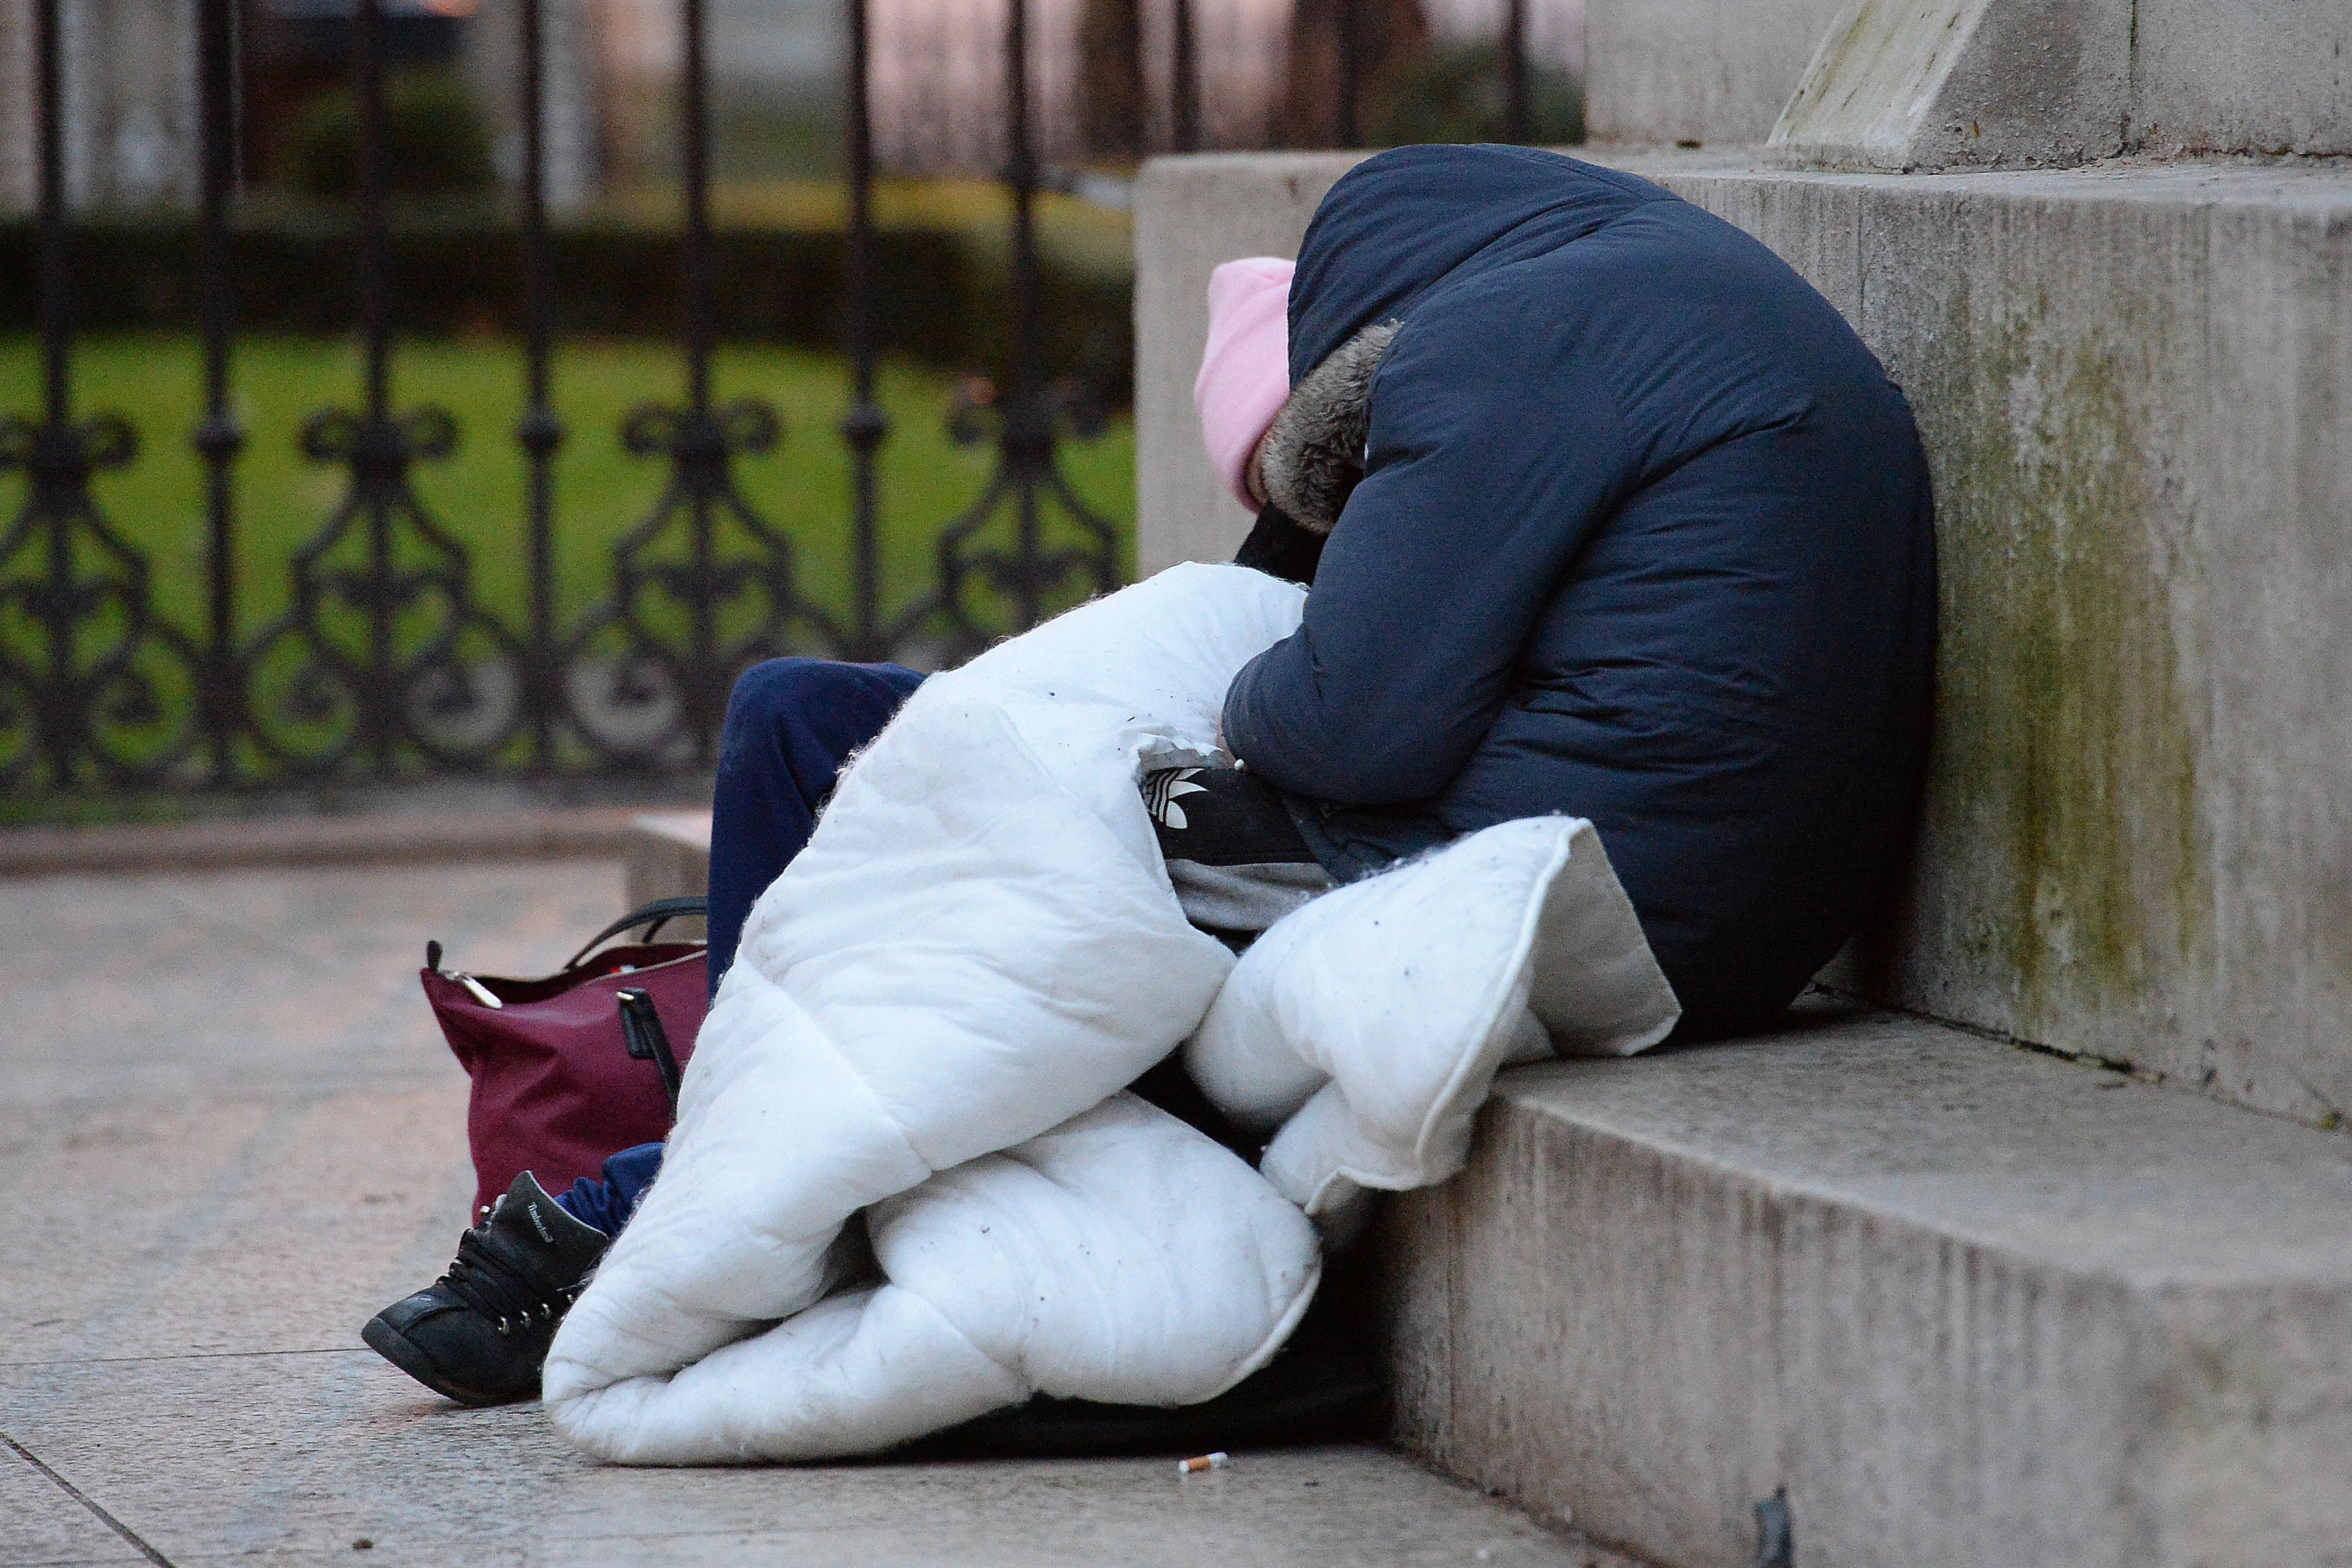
(2067,756)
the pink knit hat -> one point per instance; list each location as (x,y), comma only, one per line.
(1246,370)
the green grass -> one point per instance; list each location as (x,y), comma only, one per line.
(1075,233)
(1071,232)
(478,493)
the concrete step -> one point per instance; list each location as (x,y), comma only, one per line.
(1968,1304)
(667,854)
(2134,383)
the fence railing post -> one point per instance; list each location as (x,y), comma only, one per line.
(1184,78)
(757,600)
(412,692)
(374,456)
(866,424)
(55,265)
(1515,72)
(1351,72)
(220,438)
(539,432)
(1027,418)
(89,711)
(50,466)
(1028,432)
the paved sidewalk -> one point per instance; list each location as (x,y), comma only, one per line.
(229,1132)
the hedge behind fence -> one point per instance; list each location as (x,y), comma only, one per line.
(941,301)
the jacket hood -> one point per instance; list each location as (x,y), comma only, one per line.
(1313,453)
(1399,224)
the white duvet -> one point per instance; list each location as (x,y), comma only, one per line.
(906,1187)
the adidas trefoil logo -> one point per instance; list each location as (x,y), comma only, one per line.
(1162,790)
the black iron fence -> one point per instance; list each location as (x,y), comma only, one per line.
(386,664)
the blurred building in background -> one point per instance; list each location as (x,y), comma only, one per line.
(130,70)
(1269,74)
(775,85)
(489,56)
(292,52)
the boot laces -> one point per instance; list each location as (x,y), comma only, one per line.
(496,1289)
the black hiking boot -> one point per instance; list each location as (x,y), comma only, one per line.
(479,1333)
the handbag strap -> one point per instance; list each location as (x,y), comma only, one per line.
(645,1038)
(652,916)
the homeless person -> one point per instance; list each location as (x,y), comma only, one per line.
(1603,512)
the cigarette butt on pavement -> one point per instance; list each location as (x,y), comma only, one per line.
(1203,1463)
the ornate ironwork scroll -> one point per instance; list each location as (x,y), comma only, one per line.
(91,683)
(385,664)
(991,585)
(1002,564)
(385,656)
(704,585)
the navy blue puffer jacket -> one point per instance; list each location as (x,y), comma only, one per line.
(1642,535)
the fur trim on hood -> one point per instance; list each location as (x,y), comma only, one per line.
(1313,453)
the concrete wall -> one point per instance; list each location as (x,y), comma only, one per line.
(1695,70)
(2135,387)
(2136,390)
(2187,76)
(1947,84)
(2269,77)
(1938,84)
(1190,215)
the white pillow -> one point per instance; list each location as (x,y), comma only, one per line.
(979,943)
(1121,1257)
(1369,1025)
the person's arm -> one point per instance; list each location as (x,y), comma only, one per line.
(1494,456)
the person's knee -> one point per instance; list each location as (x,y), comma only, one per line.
(779,686)
(769,694)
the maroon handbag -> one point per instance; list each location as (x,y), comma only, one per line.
(578,1066)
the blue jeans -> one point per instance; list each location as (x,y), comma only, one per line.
(791,725)
(607,1201)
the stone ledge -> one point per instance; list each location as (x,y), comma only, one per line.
(581,832)
(1969,1304)
(667,854)
(2134,383)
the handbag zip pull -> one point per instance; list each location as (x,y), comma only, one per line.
(482,993)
